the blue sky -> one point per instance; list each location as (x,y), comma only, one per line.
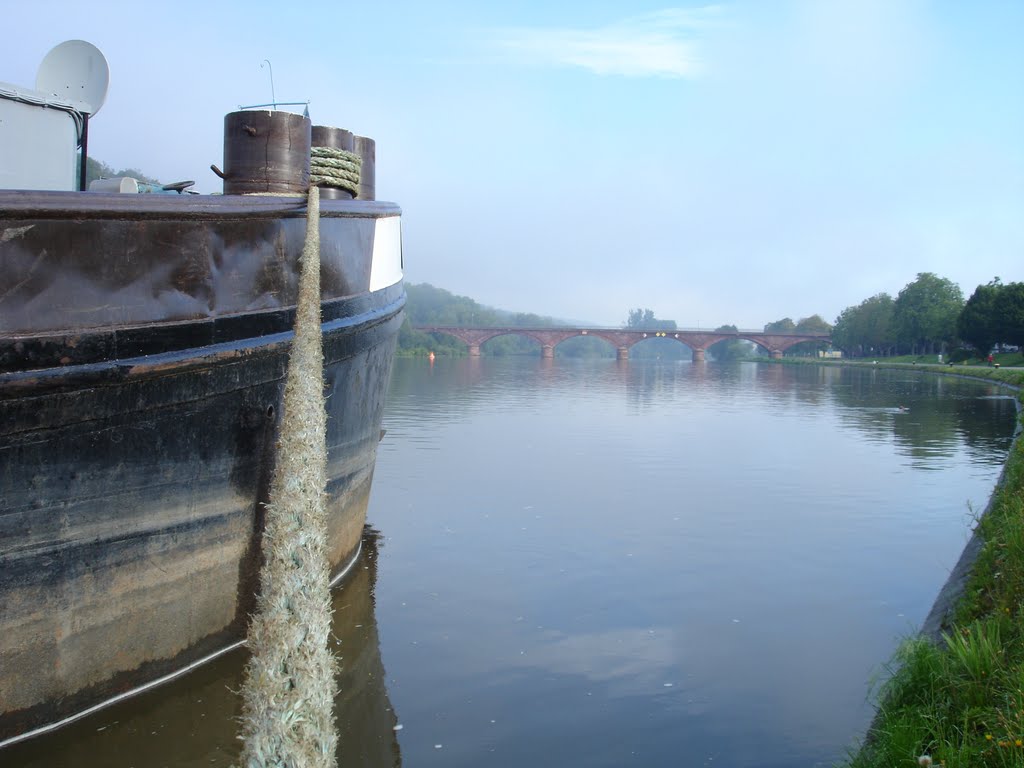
(720,163)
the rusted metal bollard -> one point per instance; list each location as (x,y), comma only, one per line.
(266,153)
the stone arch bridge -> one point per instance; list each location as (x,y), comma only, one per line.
(623,339)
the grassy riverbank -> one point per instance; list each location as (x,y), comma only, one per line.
(1011,376)
(960,701)
(1004,359)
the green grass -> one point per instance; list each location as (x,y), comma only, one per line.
(1003,358)
(962,701)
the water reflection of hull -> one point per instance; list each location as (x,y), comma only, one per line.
(191,721)
(366,721)
(143,346)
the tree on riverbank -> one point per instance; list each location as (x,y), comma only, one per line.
(812,324)
(654,348)
(993,315)
(785,325)
(97,169)
(429,305)
(923,318)
(730,349)
(644,320)
(867,328)
(926,311)
(1010,310)
(978,322)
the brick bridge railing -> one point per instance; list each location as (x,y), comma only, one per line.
(622,339)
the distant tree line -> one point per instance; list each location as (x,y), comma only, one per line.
(428,305)
(812,324)
(930,316)
(97,169)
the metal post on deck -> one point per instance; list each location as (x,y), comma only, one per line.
(85,153)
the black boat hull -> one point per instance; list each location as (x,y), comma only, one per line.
(132,488)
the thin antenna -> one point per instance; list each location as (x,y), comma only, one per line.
(273,96)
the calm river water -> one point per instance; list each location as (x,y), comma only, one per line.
(621,564)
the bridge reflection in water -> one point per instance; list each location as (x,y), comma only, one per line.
(622,339)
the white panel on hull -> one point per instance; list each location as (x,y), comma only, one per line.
(386,268)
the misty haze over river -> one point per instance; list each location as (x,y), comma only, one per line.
(594,563)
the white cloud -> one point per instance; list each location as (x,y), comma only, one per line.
(658,44)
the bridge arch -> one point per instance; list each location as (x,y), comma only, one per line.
(777,344)
(760,344)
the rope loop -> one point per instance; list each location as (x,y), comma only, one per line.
(329,167)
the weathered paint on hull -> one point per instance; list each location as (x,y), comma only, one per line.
(134,458)
(132,539)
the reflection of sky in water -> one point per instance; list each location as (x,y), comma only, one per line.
(644,563)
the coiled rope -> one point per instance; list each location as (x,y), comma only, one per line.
(331,167)
(289,687)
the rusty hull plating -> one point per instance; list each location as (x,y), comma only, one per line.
(143,345)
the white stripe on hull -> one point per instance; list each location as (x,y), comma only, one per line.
(386,267)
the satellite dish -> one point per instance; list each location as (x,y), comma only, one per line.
(75,71)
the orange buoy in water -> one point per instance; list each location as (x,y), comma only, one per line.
(431,356)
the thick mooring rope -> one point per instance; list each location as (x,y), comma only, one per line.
(331,167)
(289,688)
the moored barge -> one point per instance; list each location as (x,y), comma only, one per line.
(143,346)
